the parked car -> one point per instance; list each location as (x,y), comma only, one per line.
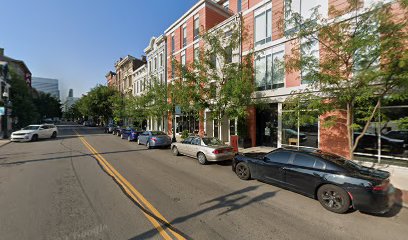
(89,124)
(117,130)
(206,149)
(369,144)
(154,139)
(337,183)
(35,132)
(290,133)
(109,128)
(399,134)
(131,134)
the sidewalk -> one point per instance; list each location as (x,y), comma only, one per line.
(4,142)
(398,178)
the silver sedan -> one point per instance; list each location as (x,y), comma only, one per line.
(205,149)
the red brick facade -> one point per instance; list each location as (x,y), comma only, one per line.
(209,14)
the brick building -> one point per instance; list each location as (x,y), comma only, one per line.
(183,44)
(267,39)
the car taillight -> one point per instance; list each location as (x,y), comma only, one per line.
(381,187)
(154,139)
(217,151)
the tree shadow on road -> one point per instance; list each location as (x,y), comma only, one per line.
(223,204)
(66,157)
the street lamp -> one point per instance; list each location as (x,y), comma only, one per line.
(5,129)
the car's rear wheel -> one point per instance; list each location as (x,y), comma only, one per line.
(202,159)
(175,151)
(34,138)
(333,198)
(242,171)
(54,135)
(138,142)
(129,139)
(148,145)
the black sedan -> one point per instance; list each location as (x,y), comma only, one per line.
(338,183)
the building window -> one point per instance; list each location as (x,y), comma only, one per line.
(270,70)
(150,66)
(309,49)
(263,26)
(173,69)
(183,58)
(184,35)
(278,70)
(172,44)
(161,59)
(260,73)
(239,5)
(226,5)
(306,9)
(196,27)
(228,57)
(196,53)
(155,63)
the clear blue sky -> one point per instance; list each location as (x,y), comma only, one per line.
(78,41)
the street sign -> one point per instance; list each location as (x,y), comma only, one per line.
(177,110)
(2,111)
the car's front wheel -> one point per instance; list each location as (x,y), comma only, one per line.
(129,138)
(148,145)
(242,171)
(333,198)
(34,138)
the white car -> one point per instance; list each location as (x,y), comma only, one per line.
(35,132)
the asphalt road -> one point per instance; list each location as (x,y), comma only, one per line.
(63,189)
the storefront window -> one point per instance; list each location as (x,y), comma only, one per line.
(387,136)
(300,128)
(309,129)
(289,128)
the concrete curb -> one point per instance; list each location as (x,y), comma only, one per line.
(4,144)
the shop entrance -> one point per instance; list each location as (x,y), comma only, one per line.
(267,125)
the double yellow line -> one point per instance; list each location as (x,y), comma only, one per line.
(133,193)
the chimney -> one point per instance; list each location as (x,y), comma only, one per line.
(1,51)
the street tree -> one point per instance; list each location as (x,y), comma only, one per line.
(363,62)
(24,110)
(217,79)
(47,105)
(98,103)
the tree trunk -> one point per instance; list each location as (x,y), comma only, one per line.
(350,130)
(366,125)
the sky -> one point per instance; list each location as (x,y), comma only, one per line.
(78,41)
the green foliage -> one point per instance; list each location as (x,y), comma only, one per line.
(184,134)
(224,87)
(363,61)
(99,102)
(23,107)
(47,105)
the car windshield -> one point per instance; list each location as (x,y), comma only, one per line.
(31,127)
(155,133)
(211,141)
